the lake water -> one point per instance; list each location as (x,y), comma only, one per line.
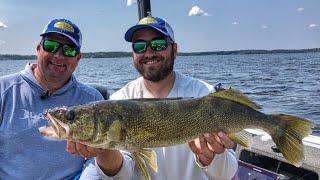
(286,83)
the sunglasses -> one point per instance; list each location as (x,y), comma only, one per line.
(157,44)
(52,46)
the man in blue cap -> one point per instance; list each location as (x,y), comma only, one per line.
(24,152)
(154,52)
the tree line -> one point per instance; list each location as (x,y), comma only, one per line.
(119,54)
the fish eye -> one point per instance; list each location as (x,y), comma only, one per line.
(70,115)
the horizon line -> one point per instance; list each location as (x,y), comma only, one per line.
(213,51)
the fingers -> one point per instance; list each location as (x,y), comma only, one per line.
(82,150)
(71,148)
(199,146)
(226,141)
(209,144)
(205,151)
(94,150)
(195,148)
(219,142)
(214,143)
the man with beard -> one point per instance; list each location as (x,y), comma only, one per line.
(154,52)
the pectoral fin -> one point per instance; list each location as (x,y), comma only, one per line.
(144,157)
(243,138)
(115,132)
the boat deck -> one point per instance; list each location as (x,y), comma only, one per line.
(262,153)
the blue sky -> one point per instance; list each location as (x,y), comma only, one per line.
(228,24)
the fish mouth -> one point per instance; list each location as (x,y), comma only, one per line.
(58,129)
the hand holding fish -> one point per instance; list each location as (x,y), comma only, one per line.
(206,146)
(82,150)
(109,161)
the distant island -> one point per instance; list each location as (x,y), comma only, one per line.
(120,54)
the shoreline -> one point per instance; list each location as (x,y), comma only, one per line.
(120,54)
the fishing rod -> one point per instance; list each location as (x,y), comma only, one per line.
(144,8)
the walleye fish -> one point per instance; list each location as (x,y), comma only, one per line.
(139,124)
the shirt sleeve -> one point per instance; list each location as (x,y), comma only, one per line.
(98,96)
(126,171)
(89,171)
(223,166)
(118,95)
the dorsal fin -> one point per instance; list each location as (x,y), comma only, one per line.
(236,96)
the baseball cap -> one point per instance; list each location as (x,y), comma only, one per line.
(66,28)
(156,23)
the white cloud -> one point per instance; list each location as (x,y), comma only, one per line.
(263,27)
(312,25)
(2,42)
(196,11)
(235,23)
(300,9)
(2,25)
(130,2)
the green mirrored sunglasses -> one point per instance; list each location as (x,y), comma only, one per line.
(53,47)
(158,44)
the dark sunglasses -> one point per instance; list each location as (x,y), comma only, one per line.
(157,44)
(52,46)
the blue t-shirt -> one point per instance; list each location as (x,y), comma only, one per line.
(24,152)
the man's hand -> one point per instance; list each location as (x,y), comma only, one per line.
(209,144)
(109,161)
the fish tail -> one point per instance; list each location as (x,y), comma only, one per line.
(288,137)
(144,157)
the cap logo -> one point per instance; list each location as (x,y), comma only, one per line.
(147,20)
(64,26)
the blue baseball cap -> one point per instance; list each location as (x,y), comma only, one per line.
(156,23)
(66,28)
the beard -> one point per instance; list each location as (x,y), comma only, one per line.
(156,74)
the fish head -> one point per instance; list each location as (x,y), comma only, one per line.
(70,123)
